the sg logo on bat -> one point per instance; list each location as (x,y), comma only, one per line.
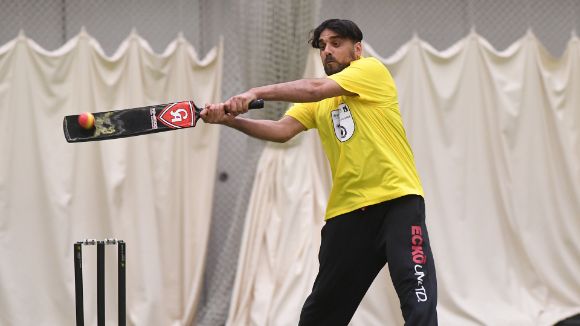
(178,115)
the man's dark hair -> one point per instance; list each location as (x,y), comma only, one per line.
(343,27)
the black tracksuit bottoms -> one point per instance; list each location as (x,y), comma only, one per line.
(354,248)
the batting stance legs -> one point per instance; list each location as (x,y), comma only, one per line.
(355,247)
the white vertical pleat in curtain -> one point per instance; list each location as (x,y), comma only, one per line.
(154,192)
(495,137)
(282,230)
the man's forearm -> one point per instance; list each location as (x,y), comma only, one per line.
(299,91)
(262,129)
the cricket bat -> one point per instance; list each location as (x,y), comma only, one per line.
(137,121)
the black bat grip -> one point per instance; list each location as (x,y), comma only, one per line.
(256,104)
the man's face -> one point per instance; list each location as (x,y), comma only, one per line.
(337,52)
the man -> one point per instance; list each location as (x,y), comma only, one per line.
(376,212)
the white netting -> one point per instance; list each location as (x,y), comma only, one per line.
(267,44)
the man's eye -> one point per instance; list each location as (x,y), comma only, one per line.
(335,44)
(321,46)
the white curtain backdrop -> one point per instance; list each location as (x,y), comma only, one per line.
(154,192)
(496,137)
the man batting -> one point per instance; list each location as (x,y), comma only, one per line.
(376,211)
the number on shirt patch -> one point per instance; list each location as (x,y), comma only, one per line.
(343,122)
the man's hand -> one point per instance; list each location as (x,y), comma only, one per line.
(239,104)
(215,113)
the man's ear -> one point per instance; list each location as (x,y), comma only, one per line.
(358,50)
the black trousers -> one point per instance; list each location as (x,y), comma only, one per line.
(355,247)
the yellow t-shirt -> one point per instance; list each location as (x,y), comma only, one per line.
(364,139)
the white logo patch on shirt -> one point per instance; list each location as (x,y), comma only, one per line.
(343,122)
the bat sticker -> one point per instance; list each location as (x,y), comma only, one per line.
(178,115)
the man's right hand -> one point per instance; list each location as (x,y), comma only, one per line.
(216,114)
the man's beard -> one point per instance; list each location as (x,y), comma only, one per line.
(339,66)
(331,71)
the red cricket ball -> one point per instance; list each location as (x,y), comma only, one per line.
(87,120)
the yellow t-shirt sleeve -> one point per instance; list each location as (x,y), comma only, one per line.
(361,78)
(304,113)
